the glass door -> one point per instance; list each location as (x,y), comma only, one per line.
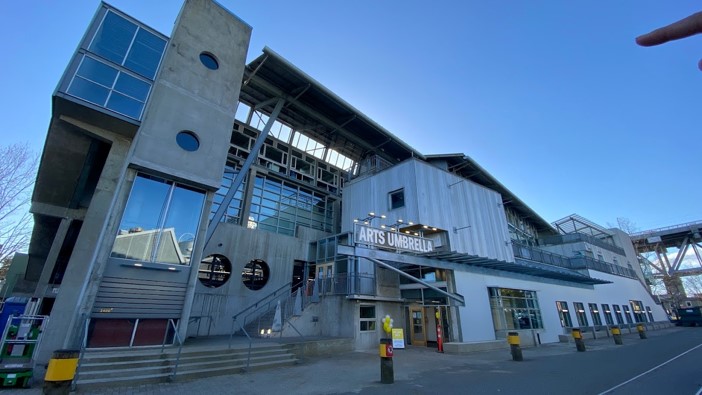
(418,335)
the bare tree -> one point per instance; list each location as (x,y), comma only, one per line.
(18,166)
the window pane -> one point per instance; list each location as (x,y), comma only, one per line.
(145,54)
(113,38)
(89,91)
(367,311)
(140,223)
(125,105)
(182,223)
(133,87)
(96,71)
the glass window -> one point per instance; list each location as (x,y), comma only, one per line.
(638,309)
(113,38)
(650,314)
(255,274)
(160,221)
(595,314)
(367,318)
(627,314)
(214,271)
(123,42)
(618,314)
(188,141)
(397,199)
(564,314)
(514,309)
(607,314)
(145,54)
(105,86)
(580,314)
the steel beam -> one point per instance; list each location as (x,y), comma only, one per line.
(236,183)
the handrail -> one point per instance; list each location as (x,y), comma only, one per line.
(83,346)
(274,293)
(180,345)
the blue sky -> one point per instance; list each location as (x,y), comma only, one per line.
(553,97)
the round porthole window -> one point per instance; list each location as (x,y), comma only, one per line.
(255,274)
(214,271)
(187,140)
(209,60)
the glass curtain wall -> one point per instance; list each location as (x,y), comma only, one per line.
(514,309)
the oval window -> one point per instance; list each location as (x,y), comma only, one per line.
(209,60)
(214,271)
(255,274)
(188,141)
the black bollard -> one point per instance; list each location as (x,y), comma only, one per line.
(578,337)
(387,371)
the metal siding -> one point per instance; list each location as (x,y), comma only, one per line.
(131,298)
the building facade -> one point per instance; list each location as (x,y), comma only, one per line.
(180,186)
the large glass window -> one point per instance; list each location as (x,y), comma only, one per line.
(564,314)
(104,85)
(160,222)
(278,206)
(514,309)
(233,213)
(650,314)
(127,44)
(595,313)
(607,314)
(397,199)
(580,314)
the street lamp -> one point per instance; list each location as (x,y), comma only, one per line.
(371,216)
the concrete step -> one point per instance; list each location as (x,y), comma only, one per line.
(125,367)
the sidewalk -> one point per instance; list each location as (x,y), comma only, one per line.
(353,371)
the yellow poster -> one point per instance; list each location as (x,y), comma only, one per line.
(398,338)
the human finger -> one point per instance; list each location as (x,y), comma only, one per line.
(683,28)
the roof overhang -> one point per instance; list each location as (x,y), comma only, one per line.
(317,112)
(466,167)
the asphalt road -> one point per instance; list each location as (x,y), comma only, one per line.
(669,362)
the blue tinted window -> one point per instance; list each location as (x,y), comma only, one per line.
(133,87)
(187,141)
(125,105)
(209,61)
(145,54)
(113,38)
(97,72)
(89,91)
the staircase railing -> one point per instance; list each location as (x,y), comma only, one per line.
(83,346)
(265,305)
(171,323)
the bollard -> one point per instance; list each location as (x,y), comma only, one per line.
(515,348)
(578,337)
(60,372)
(617,335)
(642,331)
(387,372)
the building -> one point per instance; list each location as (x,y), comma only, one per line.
(171,166)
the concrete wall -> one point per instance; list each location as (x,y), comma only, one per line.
(241,245)
(189,96)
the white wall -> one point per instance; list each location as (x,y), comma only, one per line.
(476,318)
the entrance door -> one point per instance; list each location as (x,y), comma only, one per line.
(418,335)
(325,276)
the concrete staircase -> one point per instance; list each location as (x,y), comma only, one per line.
(101,368)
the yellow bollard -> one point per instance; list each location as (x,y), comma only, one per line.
(578,337)
(61,371)
(515,347)
(617,335)
(642,331)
